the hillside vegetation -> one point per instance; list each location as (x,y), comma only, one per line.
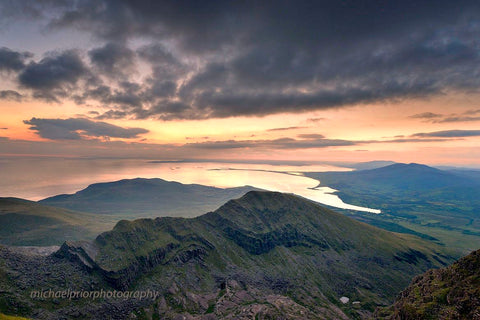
(265,255)
(438,205)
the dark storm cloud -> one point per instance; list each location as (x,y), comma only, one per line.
(449,134)
(55,76)
(111,114)
(219,59)
(12,60)
(113,59)
(158,54)
(77,128)
(10,95)
(126,95)
(53,71)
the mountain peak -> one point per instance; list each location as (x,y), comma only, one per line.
(409,166)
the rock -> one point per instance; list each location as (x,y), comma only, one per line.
(344,300)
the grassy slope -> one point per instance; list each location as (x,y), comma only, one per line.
(269,238)
(414,199)
(29,223)
(142,198)
(52,221)
(7,317)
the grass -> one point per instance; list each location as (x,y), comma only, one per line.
(6,317)
(27,223)
(432,204)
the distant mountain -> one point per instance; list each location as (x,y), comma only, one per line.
(371,164)
(469,173)
(449,293)
(414,198)
(26,223)
(266,255)
(139,197)
(399,177)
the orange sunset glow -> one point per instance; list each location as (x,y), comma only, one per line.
(78,91)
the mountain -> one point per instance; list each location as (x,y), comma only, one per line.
(399,176)
(436,204)
(85,214)
(370,164)
(265,255)
(136,198)
(29,223)
(448,293)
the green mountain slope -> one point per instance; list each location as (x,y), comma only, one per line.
(26,223)
(417,199)
(140,197)
(449,293)
(265,255)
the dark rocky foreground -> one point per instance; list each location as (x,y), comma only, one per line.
(449,293)
(265,256)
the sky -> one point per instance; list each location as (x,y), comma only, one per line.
(245,80)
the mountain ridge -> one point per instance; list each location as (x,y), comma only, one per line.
(27,222)
(142,197)
(263,241)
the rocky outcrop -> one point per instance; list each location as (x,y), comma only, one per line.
(83,253)
(449,293)
(258,243)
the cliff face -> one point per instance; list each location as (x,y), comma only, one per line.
(449,293)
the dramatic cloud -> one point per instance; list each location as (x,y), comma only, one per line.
(220,59)
(111,114)
(12,60)
(76,129)
(450,134)
(10,95)
(113,59)
(54,76)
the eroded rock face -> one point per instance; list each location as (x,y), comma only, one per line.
(448,293)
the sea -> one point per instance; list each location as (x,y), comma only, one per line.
(38,178)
